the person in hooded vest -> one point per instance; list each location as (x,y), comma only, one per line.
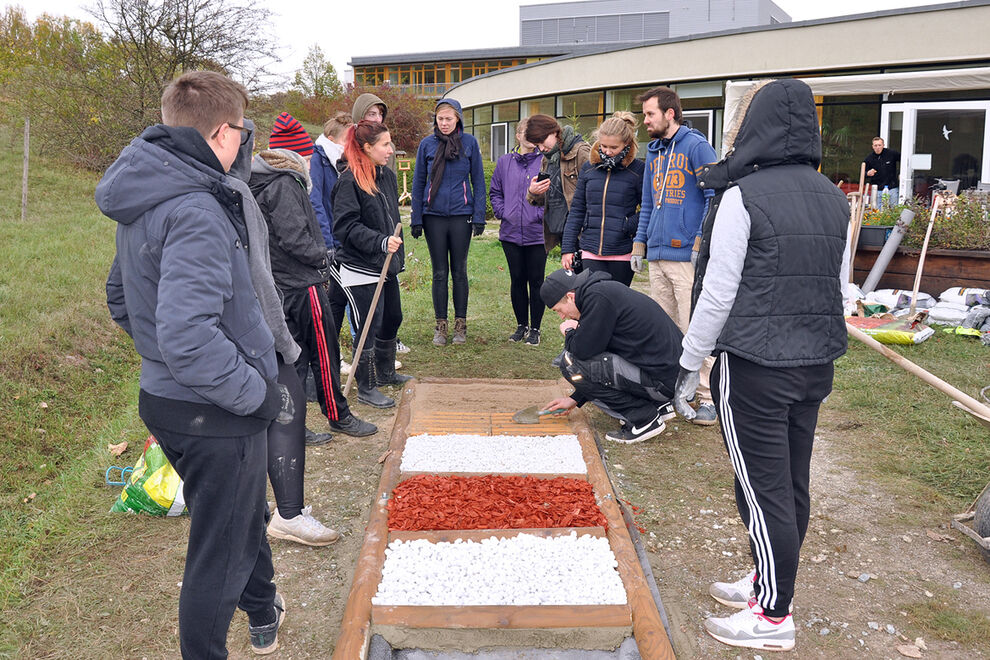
(604,211)
(448,206)
(520,232)
(768,302)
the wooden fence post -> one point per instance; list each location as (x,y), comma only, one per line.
(24,178)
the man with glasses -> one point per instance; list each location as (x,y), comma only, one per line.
(181,288)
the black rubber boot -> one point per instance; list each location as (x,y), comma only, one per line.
(365,376)
(385,373)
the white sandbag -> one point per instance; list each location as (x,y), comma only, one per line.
(947,313)
(893,298)
(964,295)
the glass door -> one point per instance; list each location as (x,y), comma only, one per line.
(499,140)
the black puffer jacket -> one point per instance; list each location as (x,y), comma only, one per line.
(279,182)
(362,223)
(604,213)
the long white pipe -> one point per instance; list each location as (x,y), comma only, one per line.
(887,253)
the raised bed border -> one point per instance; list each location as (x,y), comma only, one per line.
(355,630)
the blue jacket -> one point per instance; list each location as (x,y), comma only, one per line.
(180,284)
(668,228)
(521,222)
(324,176)
(462,191)
(603,211)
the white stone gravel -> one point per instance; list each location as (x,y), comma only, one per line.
(521,570)
(544,454)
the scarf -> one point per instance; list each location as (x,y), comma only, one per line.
(610,162)
(448,148)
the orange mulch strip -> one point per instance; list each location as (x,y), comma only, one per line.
(428,502)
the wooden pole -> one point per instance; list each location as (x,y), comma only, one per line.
(369,315)
(24,176)
(855,201)
(924,251)
(963,400)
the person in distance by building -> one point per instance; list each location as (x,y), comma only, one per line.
(881,167)
(768,301)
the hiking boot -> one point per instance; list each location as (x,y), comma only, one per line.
(353,426)
(705,415)
(264,639)
(751,629)
(385,373)
(735,594)
(304,529)
(313,438)
(365,376)
(519,334)
(533,337)
(440,334)
(631,433)
(460,331)
(400,348)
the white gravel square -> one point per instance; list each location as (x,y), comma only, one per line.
(544,454)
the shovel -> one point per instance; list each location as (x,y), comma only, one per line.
(533,414)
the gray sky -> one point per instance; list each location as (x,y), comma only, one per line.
(348,29)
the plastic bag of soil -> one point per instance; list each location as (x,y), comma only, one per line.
(888,330)
(153,487)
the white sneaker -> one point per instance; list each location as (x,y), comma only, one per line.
(400,347)
(398,365)
(735,594)
(345,368)
(304,529)
(750,629)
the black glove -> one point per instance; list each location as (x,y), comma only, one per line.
(277,405)
(416,231)
(324,270)
(477,228)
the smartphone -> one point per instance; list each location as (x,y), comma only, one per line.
(542,176)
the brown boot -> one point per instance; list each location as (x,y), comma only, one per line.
(440,336)
(460,331)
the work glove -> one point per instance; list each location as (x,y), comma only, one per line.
(694,257)
(416,231)
(477,228)
(324,270)
(288,409)
(636,263)
(687,385)
(331,255)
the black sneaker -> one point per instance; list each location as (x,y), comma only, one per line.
(353,426)
(533,337)
(630,433)
(313,438)
(264,639)
(519,334)
(667,411)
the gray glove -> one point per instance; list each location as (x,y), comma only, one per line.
(694,258)
(288,410)
(636,263)
(687,385)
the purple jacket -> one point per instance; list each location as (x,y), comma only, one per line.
(522,223)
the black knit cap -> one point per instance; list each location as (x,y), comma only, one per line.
(560,282)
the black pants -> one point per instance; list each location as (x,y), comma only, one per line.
(768,419)
(287,448)
(619,270)
(308,315)
(448,239)
(527,265)
(617,386)
(228,560)
(387,317)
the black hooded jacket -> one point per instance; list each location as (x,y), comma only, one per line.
(363,222)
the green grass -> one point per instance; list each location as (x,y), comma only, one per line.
(938,619)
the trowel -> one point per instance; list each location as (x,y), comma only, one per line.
(532,414)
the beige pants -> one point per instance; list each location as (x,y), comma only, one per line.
(670,286)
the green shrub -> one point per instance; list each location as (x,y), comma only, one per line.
(963,225)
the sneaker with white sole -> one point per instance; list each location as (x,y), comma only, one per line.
(400,347)
(304,529)
(751,629)
(735,594)
(667,411)
(264,639)
(705,415)
(630,433)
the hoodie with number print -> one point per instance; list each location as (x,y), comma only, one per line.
(672,205)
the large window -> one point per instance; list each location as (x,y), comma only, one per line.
(847,132)
(541,106)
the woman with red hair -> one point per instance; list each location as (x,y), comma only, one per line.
(366,211)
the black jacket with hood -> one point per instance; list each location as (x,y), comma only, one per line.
(362,223)
(787,311)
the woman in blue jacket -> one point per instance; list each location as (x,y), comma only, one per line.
(448,204)
(604,213)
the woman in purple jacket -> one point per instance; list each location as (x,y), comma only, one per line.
(521,233)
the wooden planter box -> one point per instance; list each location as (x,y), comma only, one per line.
(943,269)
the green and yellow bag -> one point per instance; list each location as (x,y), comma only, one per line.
(153,487)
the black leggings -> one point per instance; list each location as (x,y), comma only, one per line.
(287,448)
(527,265)
(448,239)
(619,270)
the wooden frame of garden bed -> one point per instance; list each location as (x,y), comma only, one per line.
(359,614)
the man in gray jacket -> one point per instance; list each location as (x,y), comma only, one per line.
(180,286)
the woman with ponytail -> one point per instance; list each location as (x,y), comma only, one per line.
(366,211)
(604,215)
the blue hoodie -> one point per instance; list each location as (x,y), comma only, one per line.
(668,228)
(462,191)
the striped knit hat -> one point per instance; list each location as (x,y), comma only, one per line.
(288,133)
